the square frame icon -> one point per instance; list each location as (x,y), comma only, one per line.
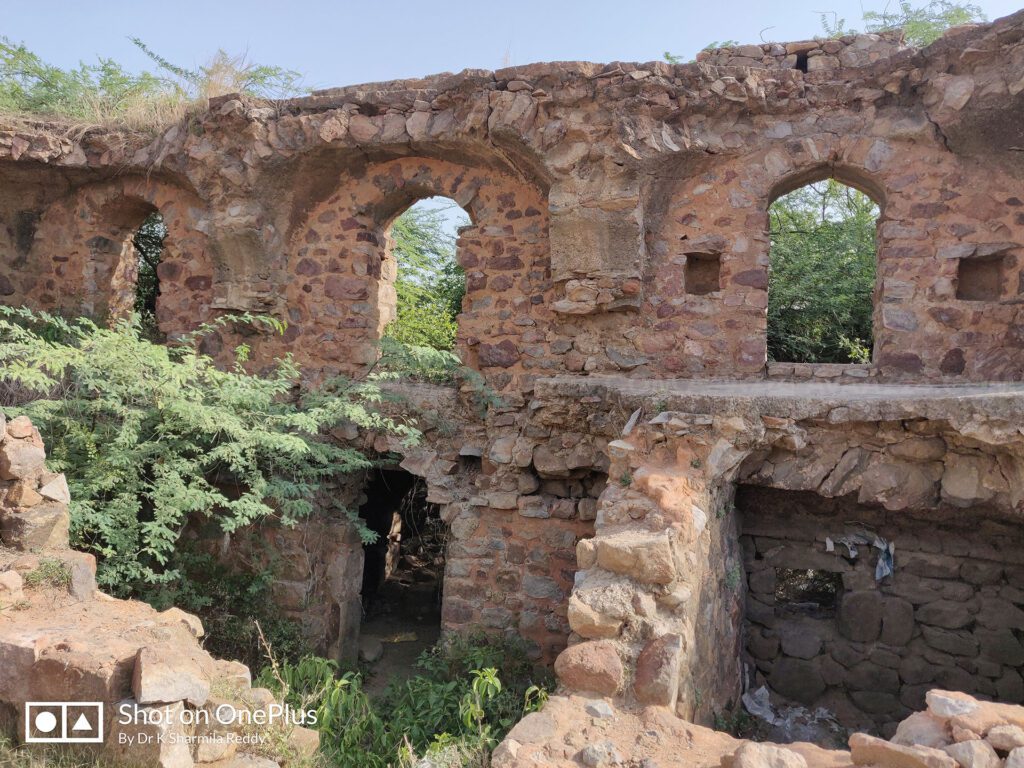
(64,722)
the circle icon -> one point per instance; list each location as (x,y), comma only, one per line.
(45,722)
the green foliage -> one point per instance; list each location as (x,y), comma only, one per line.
(465,699)
(153,436)
(420,363)
(224,74)
(28,84)
(739,723)
(734,577)
(50,572)
(106,91)
(921,25)
(232,602)
(149,245)
(430,283)
(822,275)
(925,24)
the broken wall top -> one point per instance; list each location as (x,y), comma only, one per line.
(591,188)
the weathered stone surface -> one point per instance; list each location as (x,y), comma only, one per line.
(860,616)
(646,557)
(10,588)
(56,490)
(923,730)
(755,755)
(974,754)
(868,750)
(945,613)
(950,704)
(20,459)
(797,679)
(159,739)
(897,621)
(593,666)
(159,679)
(1005,738)
(39,528)
(589,623)
(657,671)
(799,641)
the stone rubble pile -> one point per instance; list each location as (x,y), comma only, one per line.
(956,731)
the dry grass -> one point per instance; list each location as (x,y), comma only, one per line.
(37,756)
(158,101)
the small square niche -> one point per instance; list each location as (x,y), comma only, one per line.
(703,273)
(980,278)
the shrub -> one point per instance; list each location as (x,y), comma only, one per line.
(152,436)
(235,605)
(107,93)
(466,697)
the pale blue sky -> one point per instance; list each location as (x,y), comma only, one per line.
(341,43)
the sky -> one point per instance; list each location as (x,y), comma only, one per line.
(345,43)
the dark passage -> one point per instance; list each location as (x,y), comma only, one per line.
(403,574)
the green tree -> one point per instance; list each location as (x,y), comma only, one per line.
(153,436)
(107,92)
(149,245)
(822,275)
(430,283)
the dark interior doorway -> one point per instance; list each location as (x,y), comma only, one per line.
(403,574)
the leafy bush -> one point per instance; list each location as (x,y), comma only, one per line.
(921,25)
(465,699)
(106,92)
(152,436)
(235,604)
(822,275)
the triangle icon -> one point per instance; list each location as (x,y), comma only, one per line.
(81,724)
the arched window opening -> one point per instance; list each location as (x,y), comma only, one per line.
(822,275)
(149,248)
(430,283)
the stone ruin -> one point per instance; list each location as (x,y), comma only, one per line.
(63,640)
(652,499)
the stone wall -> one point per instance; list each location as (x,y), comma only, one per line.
(617,270)
(619,212)
(808,55)
(659,606)
(948,617)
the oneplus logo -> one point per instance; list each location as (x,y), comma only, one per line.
(64,722)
